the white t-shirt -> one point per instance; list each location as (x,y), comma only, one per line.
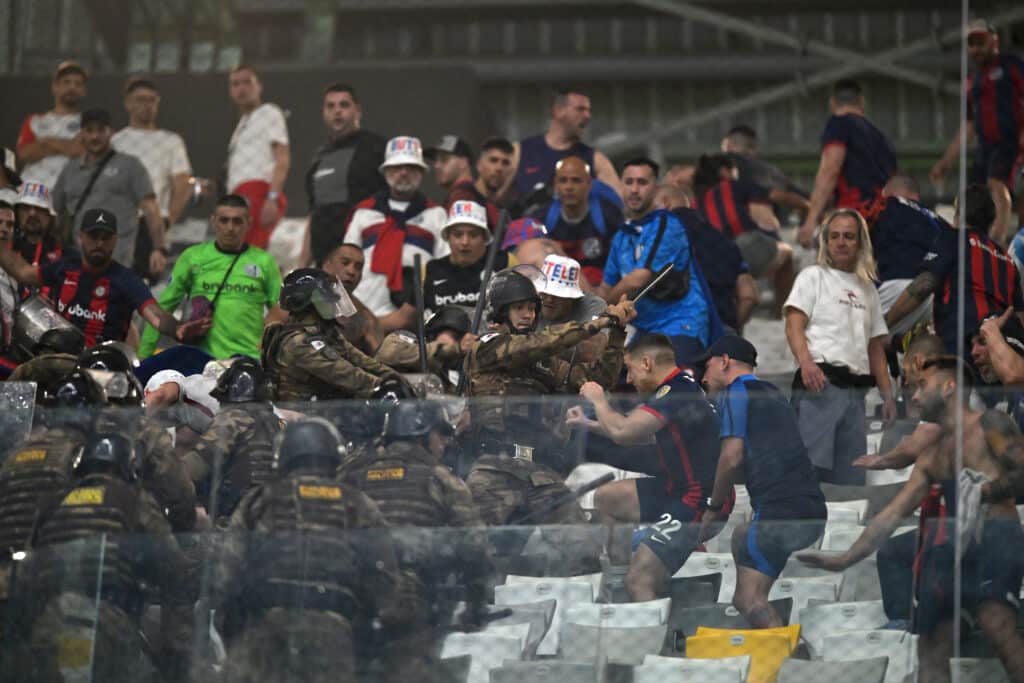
(163,154)
(843,314)
(250,156)
(48,125)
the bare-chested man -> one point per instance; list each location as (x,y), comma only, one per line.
(992,567)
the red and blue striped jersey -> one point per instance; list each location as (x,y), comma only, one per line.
(725,205)
(995,101)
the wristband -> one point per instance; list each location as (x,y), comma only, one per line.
(712,508)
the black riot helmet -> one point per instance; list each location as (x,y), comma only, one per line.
(68,340)
(113,356)
(414,419)
(108,452)
(312,287)
(243,382)
(75,390)
(506,288)
(122,388)
(312,441)
(447,317)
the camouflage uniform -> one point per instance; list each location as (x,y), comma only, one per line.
(240,441)
(506,482)
(422,500)
(44,369)
(105,535)
(295,555)
(308,358)
(401,351)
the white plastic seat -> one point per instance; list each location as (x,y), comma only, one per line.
(652,613)
(972,670)
(839,537)
(685,671)
(563,591)
(707,564)
(899,646)
(860,671)
(617,644)
(703,670)
(722,541)
(847,511)
(593,579)
(547,671)
(829,620)
(824,588)
(486,650)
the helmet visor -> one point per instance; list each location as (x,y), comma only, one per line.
(333,302)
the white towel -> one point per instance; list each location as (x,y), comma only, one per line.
(971,512)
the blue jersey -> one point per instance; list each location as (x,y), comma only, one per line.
(870,159)
(775,460)
(537,162)
(652,243)
(687,443)
(995,101)
(902,234)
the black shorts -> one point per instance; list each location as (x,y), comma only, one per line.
(1000,162)
(779,529)
(992,570)
(675,529)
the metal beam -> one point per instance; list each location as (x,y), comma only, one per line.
(616,142)
(688,10)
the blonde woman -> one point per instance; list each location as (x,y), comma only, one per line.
(837,333)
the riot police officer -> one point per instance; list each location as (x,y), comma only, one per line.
(307,357)
(304,557)
(447,338)
(236,452)
(510,481)
(437,527)
(119,539)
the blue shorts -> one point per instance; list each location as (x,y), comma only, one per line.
(992,570)
(675,531)
(1000,162)
(779,529)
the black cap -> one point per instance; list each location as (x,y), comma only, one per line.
(96,220)
(96,115)
(735,347)
(450,144)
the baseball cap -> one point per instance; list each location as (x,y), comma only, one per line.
(402,151)
(10,162)
(563,277)
(35,194)
(734,347)
(96,115)
(96,220)
(979,26)
(69,66)
(522,229)
(464,212)
(450,144)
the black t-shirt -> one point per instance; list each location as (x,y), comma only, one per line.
(445,283)
(902,234)
(720,260)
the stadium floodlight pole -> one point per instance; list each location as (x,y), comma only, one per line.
(617,141)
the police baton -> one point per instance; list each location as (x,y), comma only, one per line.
(417,290)
(657,278)
(478,310)
(562,500)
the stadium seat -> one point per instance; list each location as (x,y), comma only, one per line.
(825,588)
(705,564)
(536,615)
(582,475)
(651,613)
(683,623)
(768,648)
(563,591)
(859,671)
(593,579)
(684,671)
(548,671)
(613,584)
(829,620)
(722,541)
(847,511)
(454,669)
(487,651)
(703,669)
(839,537)
(968,670)
(899,646)
(877,496)
(619,644)
(694,591)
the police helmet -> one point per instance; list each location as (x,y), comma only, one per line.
(447,317)
(112,356)
(243,382)
(122,388)
(75,390)
(108,451)
(307,287)
(506,288)
(392,388)
(413,419)
(68,340)
(308,440)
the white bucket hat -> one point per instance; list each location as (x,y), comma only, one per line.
(35,194)
(464,212)
(563,277)
(403,151)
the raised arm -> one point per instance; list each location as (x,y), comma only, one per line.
(832,158)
